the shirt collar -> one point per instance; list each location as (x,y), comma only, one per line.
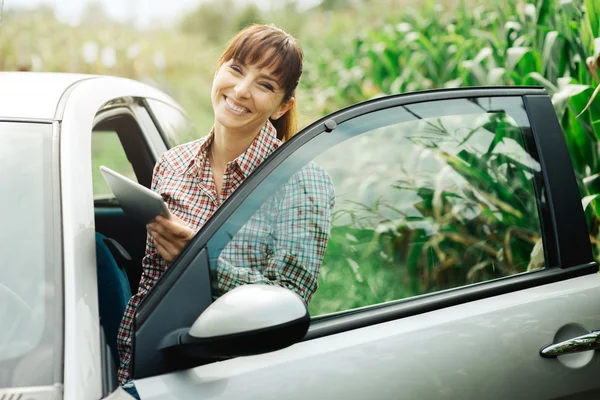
(194,154)
(261,147)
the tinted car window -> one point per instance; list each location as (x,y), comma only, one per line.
(27,280)
(408,200)
(429,204)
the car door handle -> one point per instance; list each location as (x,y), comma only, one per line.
(589,341)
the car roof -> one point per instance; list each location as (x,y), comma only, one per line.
(37,95)
(34,95)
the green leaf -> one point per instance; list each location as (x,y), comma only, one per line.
(514,55)
(592,183)
(548,55)
(544,8)
(561,98)
(587,200)
(482,55)
(494,76)
(592,8)
(580,136)
(592,98)
(537,77)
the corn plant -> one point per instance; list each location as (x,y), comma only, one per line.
(548,43)
(363,51)
(469,216)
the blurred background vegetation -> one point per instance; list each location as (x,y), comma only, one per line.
(355,50)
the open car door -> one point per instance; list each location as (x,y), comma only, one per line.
(457,265)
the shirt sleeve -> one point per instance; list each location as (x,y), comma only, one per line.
(153,265)
(300,231)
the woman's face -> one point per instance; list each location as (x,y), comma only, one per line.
(245,96)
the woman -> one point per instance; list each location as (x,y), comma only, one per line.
(254,107)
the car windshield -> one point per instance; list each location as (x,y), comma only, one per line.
(28,326)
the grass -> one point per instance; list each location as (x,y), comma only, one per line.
(357,271)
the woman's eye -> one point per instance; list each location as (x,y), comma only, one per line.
(267,86)
(236,69)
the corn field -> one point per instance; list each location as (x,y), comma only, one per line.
(549,43)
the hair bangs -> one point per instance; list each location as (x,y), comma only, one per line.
(268,48)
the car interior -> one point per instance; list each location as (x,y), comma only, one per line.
(120,240)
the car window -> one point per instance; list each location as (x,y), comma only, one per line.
(28,325)
(392,204)
(173,124)
(427,205)
(107,150)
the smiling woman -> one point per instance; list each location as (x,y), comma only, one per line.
(266,63)
(254,107)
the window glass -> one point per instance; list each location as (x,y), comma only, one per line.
(27,290)
(177,128)
(409,200)
(107,150)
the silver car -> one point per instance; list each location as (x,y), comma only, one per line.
(458,265)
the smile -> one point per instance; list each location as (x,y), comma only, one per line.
(235,108)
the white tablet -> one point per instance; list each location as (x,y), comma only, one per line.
(136,200)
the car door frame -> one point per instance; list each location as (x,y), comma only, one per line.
(75,116)
(142,161)
(568,251)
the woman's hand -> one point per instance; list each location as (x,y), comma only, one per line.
(170,235)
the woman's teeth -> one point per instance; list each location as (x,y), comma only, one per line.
(234,107)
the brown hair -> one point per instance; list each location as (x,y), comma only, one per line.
(249,47)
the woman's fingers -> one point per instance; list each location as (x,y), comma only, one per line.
(165,247)
(172,228)
(170,236)
(161,250)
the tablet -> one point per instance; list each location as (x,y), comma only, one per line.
(136,200)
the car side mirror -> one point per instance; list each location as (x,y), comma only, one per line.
(249,319)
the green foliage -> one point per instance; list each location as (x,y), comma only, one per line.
(549,43)
(355,52)
(592,9)
(210,19)
(218,20)
(248,16)
(468,217)
(329,5)
(356,272)
(107,150)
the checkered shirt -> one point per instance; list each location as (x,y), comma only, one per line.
(282,244)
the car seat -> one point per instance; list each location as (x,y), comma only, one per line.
(114,291)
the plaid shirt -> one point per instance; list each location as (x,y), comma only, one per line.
(282,244)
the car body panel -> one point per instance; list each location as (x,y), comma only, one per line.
(119,394)
(434,355)
(33,393)
(83,370)
(467,345)
(32,95)
(42,95)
